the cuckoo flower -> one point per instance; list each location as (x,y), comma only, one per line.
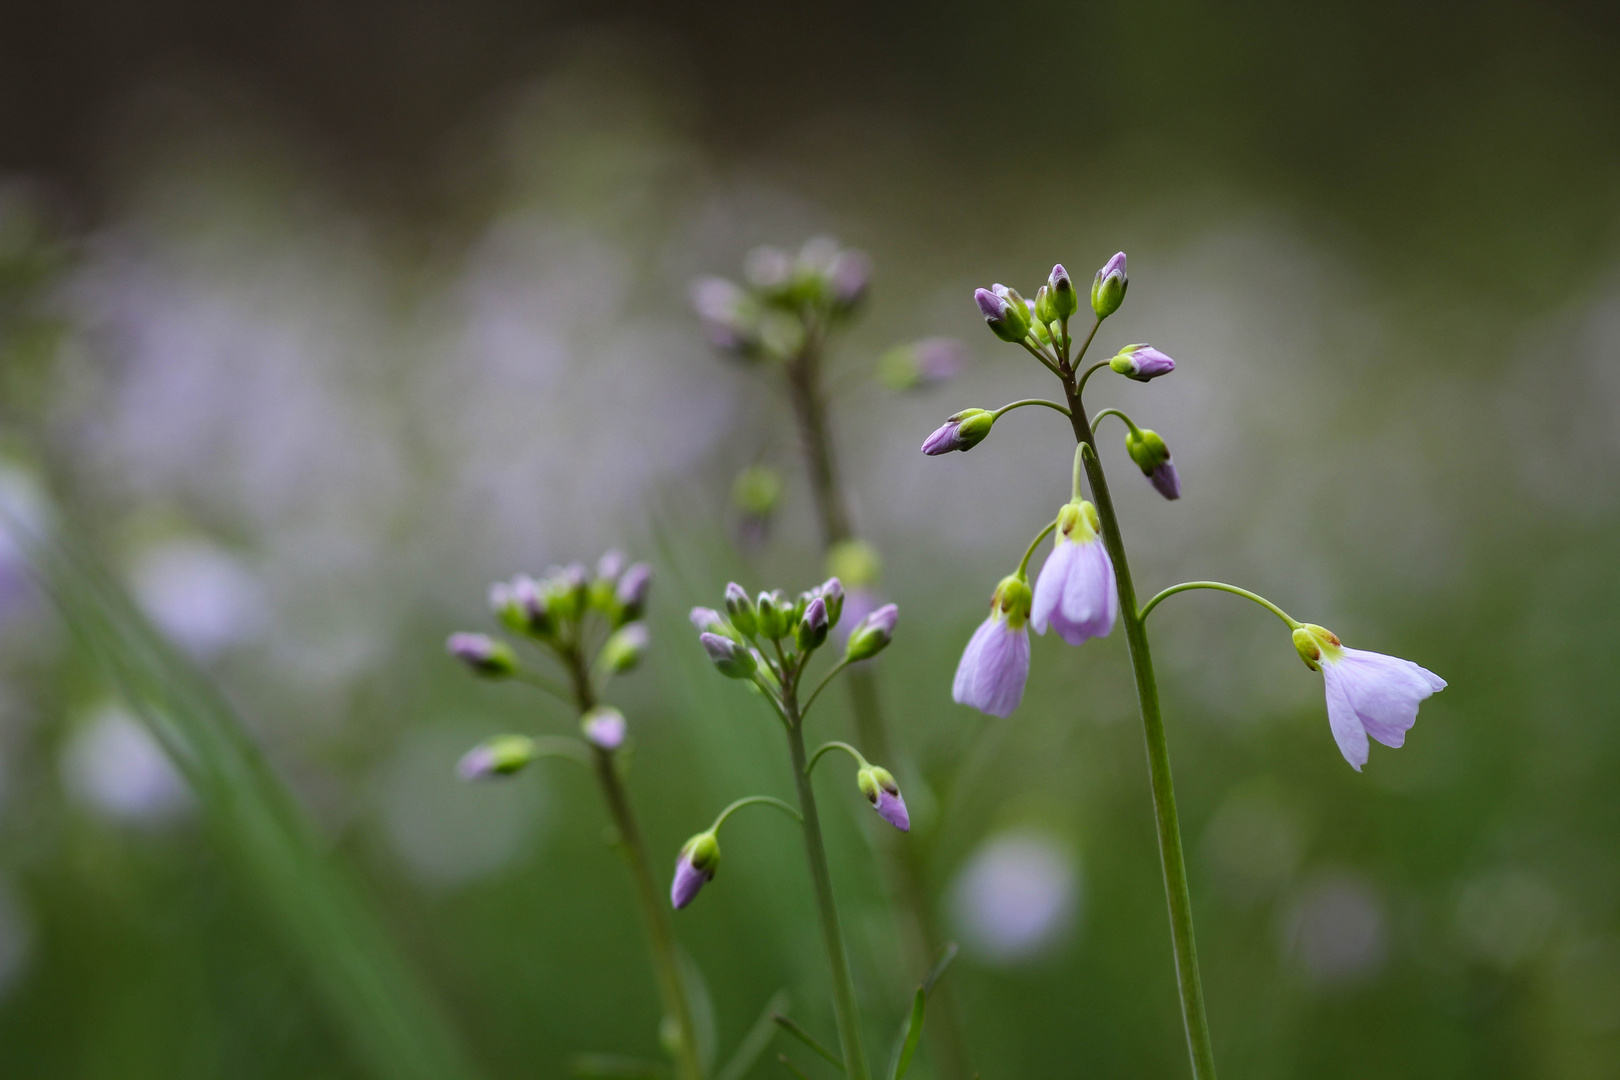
(961,431)
(878,785)
(1075,593)
(1368,693)
(694,868)
(995,663)
(1141,362)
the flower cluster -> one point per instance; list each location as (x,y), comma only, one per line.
(785,298)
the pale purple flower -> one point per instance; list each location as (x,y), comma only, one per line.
(728,313)
(891,807)
(694,868)
(706,620)
(848,277)
(1114,265)
(1076,594)
(482,653)
(1142,362)
(878,785)
(995,664)
(633,588)
(991,305)
(1372,694)
(961,431)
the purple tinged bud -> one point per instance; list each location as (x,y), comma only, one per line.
(694,868)
(1004,312)
(500,756)
(610,565)
(847,279)
(626,646)
(632,591)
(878,785)
(604,727)
(921,364)
(1152,456)
(483,654)
(1062,297)
(811,632)
(1141,362)
(729,314)
(872,634)
(832,591)
(706,620)
(962,431)
(1166,481)
(1108,289)
(731,658)
(741,608)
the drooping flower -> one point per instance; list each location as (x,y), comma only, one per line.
(878,785)
(1076,594)
(694,868)
(1152,456)
(1141,362)
(1368,693)
(995,664)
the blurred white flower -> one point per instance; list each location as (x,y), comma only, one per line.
(1017,896)
(199,594)
(115,767)
(1335,931)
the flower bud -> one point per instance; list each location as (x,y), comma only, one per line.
(1004,312)
(608,569)
(1108,290)
(631,594)
(1038,327)
(1141,362)
(625,647)
(922,364)
(771,616)
(519,606)
(1013,598)
(878,785)
(729,315)
(483,655)
(1044,311)
(1063,299)
(500,756)
(1312,642)
(1153,458)
(756,490)
(741,609)
(832,591)
(769,269)
(706,620)
(694,868)
(813,626)
(872,634)
(961,431)
(847,280)
(603,727)
(564,591)
(731,658)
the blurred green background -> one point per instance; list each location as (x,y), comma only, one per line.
(315,319)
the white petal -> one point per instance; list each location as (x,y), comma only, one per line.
(1385,691)
(1342,718)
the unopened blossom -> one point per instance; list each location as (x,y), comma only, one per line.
(694,868)
(500,756)
(1108,288)
(1004,312)
(1368,693)
(995,664)
(1152,456)
(872,634)
(632,591)
(1076,594)
(706,620)
(604,727)
(1141,362)
(483,654)
(961,431)
(878,785)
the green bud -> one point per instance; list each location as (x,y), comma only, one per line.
(501,756)
(703,852)
(1147,449)
(731,658)
(757,490)
(1044,310)
(813,625)
(483,655)
(832,591)
(625,647)
(1108,289)
(872,634)
(1063,298)
(741,610)
(772,616)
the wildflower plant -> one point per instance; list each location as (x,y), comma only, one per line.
(781,321)
(1085,585)
(770,642)
(590,627)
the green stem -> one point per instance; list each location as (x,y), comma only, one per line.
(666,965)
(1221,586)
(844,1007)
(825,679)
(1171,859)
(1010,406)
(1080,451)
(1023,567)
(1098,419)
(860,761)
(751,800)
(1042,357)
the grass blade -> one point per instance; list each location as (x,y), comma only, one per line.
(754,1043)
(808,1039)
(905,1048)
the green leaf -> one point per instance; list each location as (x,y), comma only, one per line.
(792,1068)
(809,1040)
(754,1043)
(614,1067)
(369,991)
(905,1047)
(702,1006)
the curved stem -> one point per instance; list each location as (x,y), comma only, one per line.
(770,696)
(825,679)
(671,984)
(844,1007)
(1080,451)
(1023,567)
(860,761)
(1081,355)
(751,800)
(1088,373)
(561,746)
(1029,401)
(1172,861)
(1097,420)
(1037,354)
(1220,586)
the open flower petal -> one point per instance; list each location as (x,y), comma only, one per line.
(1372,694)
